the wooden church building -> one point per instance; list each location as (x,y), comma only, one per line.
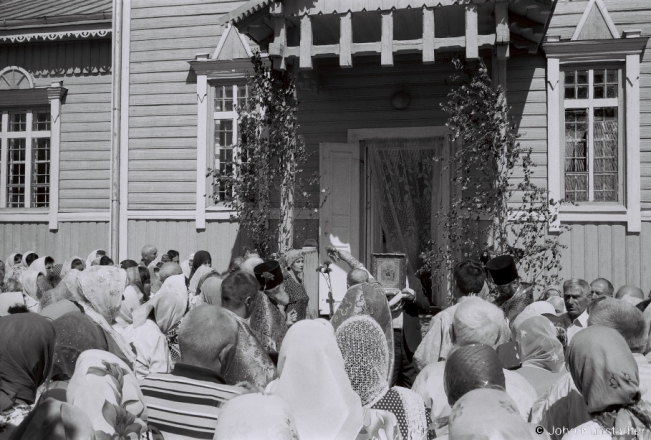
(77,175)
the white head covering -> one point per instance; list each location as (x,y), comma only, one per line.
(315,385)
(169,305)
(9,299)
(30,290)
(38,266)
(273,419)
(67,265)
(92,257)
(24,260)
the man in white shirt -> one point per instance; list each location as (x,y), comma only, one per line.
(576,293)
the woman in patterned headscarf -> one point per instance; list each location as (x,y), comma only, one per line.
(101,289)
(366,360)
(606,374)
(541,353)
(107,391)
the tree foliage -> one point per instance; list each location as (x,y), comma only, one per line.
(495,205)
(266,160)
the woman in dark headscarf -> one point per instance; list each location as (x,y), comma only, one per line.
(26,357)
(367,299)
(606,374)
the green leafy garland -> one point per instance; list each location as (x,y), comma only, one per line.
(493,192)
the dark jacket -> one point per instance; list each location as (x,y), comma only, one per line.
(410,319)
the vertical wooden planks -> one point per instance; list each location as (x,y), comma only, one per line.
(472,31)
(645,258)
(346,39)
(605,251)
(619,255)
(387,38)
(633,259)
(428,35)
(305,58)
(566,257)
(592,253)
(578,251)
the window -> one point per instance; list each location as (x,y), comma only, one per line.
(227,99)
(25,147)
(593,155)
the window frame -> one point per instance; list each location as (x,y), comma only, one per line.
(213,161)
(29,135)
(590,104)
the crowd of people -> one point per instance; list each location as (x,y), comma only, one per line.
(171,348)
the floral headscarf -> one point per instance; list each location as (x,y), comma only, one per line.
(538,344)
(102,287)
(273,419)
(14,270)
(26,356)
(107,391)
(606,374)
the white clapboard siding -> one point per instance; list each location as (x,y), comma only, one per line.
(85,69)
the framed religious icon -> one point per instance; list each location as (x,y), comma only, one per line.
(390,270)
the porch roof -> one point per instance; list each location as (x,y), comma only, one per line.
(303,29)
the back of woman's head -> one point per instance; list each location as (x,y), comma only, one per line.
(471,367)
(31,258)
(145,276)
(366,356)
(126,264)
(106,261)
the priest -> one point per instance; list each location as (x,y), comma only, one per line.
(511,294)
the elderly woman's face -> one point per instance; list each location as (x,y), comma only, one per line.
(297,266)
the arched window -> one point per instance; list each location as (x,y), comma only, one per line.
(15,78)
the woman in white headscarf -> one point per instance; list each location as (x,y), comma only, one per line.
(95,255)
(152,321)
(273,419)
(29,281)
(14,267)
(72,263)
(314,384)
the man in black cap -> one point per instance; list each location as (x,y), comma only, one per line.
(268,321)
(512,295)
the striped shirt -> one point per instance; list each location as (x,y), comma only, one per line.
(185,404)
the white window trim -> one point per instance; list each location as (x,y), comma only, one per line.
(55,94)
(628,50)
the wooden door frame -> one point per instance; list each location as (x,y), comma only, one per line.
(354,136)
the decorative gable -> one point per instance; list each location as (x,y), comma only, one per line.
(595,24)
(232,45)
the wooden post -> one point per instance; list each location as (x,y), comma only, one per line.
(428,35)
(554,135)
(472,31)
(116,118)
(633,142)
(55,93)
(346,39)
(387,38)
(503,39)
(277,47)
(305,58)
